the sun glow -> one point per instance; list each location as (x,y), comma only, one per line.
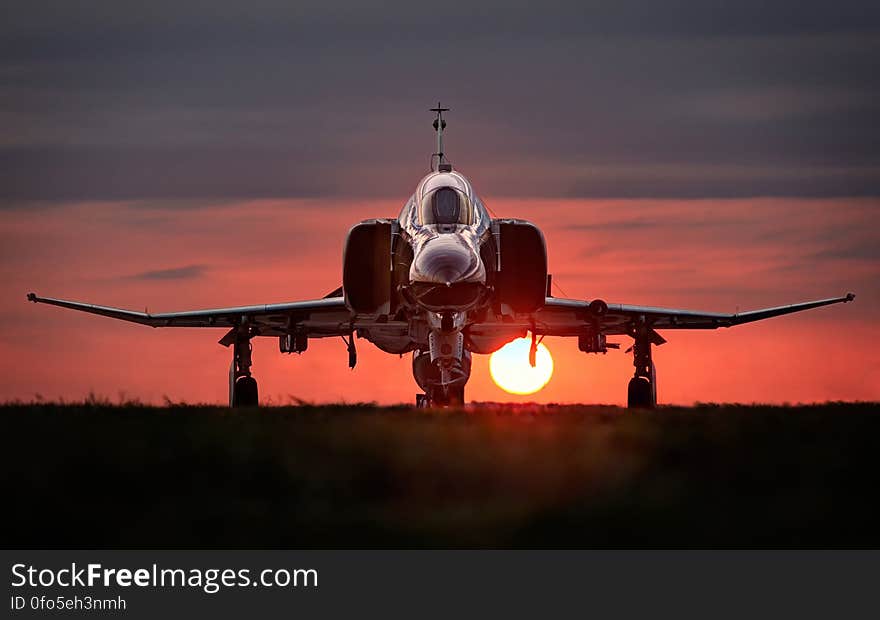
(510,369)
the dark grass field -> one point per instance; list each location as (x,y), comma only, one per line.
(98,476)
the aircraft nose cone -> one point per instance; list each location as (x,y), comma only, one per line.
(446,260)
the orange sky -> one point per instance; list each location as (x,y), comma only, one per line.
(703,254)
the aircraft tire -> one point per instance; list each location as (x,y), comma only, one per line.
(451,397)
(640,394)
(245,393)
(456,396)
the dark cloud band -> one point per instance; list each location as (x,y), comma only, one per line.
(638,99)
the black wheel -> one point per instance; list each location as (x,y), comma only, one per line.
(456,396)
(640,394)
(438,398)
(245,393)
(452,396)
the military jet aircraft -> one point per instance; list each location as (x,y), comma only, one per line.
(444,280)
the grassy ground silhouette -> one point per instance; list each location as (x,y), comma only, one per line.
(92,475)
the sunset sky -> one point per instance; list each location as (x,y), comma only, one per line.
(707,155)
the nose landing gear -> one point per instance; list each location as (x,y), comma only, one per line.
(443,379)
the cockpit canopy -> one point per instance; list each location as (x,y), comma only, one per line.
(446,205)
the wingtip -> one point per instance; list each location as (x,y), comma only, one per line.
(850,296)
(32,297)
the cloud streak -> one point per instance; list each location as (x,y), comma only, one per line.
(187,272)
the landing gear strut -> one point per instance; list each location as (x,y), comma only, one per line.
(642,389)
(242,386)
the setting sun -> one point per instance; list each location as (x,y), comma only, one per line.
(511,371)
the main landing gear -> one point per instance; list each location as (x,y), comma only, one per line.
(243,390)
(642,390)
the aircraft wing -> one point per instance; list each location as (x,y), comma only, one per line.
(318,317)
(570,317)
(329,316)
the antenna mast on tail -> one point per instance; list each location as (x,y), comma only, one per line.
(439,126)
